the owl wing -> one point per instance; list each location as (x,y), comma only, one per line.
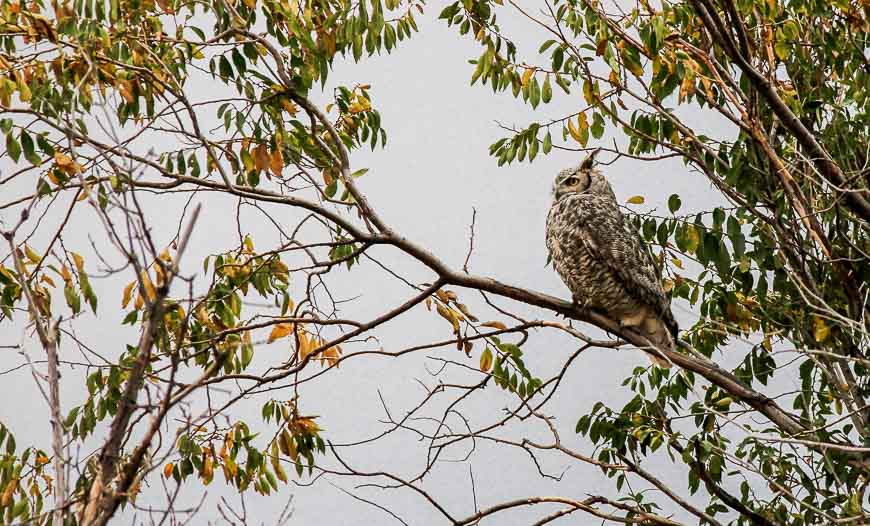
(612,241)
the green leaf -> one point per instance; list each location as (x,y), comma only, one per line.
(534,92)
(72,299)
(239,61)
(224,68)
(29,149)
(674,203)
(12,147)
(547,91)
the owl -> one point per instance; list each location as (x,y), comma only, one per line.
(600,257)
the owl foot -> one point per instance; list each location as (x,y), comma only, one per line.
(581,306)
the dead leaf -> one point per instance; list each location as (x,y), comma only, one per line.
(261,157)
(276,162)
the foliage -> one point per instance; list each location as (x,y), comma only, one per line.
(784,267)
(777,274)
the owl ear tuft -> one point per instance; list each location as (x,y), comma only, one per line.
(589,162)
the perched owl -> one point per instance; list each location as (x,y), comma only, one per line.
(599,256)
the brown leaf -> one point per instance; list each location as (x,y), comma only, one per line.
(462,308)
(167,470)
(126,90)
(276,162)
(261,157)
(495,325)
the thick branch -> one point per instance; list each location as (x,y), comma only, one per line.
(101,500)
(823,162)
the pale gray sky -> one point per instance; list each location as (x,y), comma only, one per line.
(434,171)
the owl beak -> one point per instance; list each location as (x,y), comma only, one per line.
(589,162)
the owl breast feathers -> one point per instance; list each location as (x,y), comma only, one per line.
(600,257)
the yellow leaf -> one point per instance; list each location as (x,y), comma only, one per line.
(167,470)
(276,464)
(279,331)
(287,445)
(495,325)
(79,261)
(31,254)
(582,122)
(588,92)
(449,315)
(6,499)
(65,274)
(63,160)
(527,76)
(47,279)
(308,425)
(486,360)
(207,471)
(149,287)
(677,263)
(289,107)
(636,200)
(693,239)
(305,345)
(159,275)
(821,330)
(574,132)
(128,293)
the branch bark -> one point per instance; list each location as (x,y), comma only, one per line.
(48,339)
(824,164)
(102,500)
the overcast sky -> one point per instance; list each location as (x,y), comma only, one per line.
(433,173)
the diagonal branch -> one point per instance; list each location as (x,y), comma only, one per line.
(101,502)
(823,162)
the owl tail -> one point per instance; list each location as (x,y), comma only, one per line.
(659,334)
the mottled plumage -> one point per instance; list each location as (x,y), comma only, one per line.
(600,258)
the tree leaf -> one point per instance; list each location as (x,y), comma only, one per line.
(486,360)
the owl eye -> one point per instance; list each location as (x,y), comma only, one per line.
(571,181)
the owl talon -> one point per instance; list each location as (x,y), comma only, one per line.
(581,306)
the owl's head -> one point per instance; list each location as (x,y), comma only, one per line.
(582,179)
